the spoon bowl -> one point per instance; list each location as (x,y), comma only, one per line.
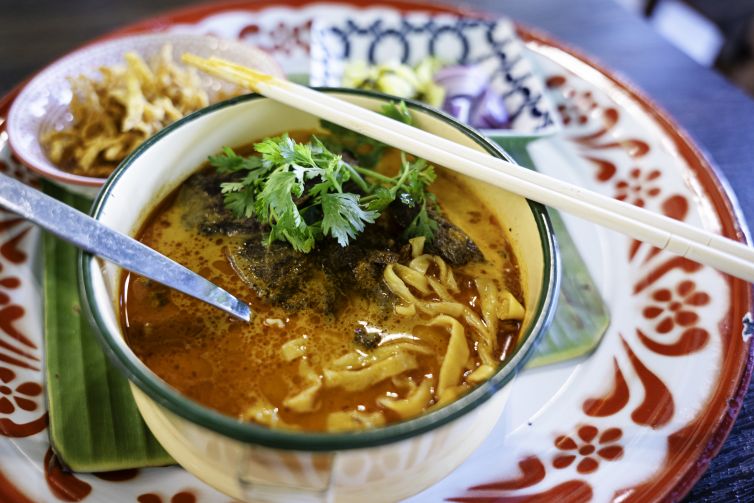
(98,239)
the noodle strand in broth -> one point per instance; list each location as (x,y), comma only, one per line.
(344,338)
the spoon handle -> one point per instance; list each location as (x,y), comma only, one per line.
(97,239)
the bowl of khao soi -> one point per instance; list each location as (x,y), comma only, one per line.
(392,299)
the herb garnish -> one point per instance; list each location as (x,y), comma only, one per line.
(366,151)
(297,189)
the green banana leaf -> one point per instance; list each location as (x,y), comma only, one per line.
(582,317)
(94,425)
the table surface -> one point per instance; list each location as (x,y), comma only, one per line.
(717,115)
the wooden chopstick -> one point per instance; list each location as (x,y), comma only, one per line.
(699,245)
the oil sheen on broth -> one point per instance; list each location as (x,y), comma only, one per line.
(350,361)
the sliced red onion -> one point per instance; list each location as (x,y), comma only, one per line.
(459,107)
(469,99)
(488,111)
(459,79)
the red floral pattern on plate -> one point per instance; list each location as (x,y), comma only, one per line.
(638,187)
(588,446)
(676,307)
(284,38)
(23,395)
(179,497)
(670,304)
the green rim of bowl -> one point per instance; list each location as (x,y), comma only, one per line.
(162,393)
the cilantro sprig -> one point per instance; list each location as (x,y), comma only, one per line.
(366,151)
(299,191)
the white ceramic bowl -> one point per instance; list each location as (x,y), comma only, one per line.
(246,460)
(42,105)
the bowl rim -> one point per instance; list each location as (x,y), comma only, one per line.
(47,168)
(166,396)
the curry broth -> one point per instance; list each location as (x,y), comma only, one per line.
(230,366)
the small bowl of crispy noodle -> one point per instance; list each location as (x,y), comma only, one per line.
(77,119)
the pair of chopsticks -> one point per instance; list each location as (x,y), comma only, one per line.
(724,254)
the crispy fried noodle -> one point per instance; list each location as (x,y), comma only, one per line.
(117,111)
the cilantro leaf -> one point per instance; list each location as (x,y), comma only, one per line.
(398,111)
(230,162)
(419,177)
(277,150)
(343,217)
(241,203)
(367,151)
(290,227)
(288,180)
(380,199)
(276,198)
(232,187)
(421,225)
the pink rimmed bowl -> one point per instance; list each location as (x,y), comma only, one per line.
(43,103)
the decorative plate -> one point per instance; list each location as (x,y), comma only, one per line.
(638,420)
(377,36)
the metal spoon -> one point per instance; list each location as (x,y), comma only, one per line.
(92,236)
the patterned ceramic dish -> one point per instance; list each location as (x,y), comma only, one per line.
(241,458)
(379,36)
(43,103)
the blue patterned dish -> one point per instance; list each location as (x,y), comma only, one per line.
(378,36)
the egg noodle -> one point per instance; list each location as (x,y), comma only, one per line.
(419,290)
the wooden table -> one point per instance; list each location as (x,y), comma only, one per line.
(717,115)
